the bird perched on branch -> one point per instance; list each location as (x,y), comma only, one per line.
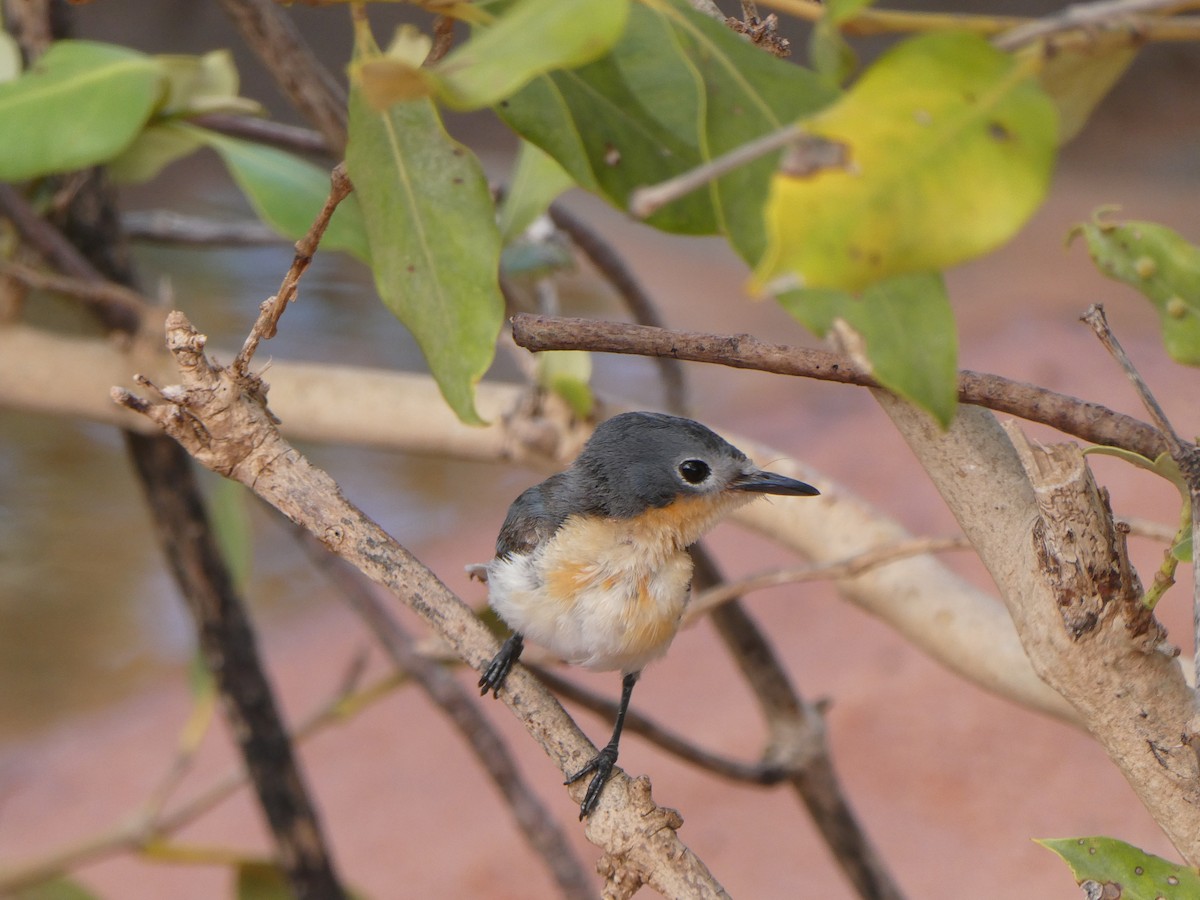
(592,563)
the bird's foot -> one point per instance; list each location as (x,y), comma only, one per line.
(493,676)
(602,765)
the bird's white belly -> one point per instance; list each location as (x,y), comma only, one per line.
(617,614)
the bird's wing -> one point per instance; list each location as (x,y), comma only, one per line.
(530,521)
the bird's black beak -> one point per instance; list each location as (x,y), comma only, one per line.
(769,483)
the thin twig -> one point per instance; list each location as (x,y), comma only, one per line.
(272,308)
(164,226)
(797,740)
(1185,454)
(462,708)
(1090,17)
(637,300)
(91,291)
(645,201)
(1090,421)
(266,131)
(705,601)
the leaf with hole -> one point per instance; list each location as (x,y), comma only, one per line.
(1161,265)
(1136,875)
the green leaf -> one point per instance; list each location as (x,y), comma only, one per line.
(744,94)
(1162,465)
(568,373)
(949,146)
(56,889)
(433,236)
(530,38)
(908,336)
(676,90)
(536,181)
(155,148)
(1163,267)
(80,105)
(231,526)
(1136,874)
(286,191)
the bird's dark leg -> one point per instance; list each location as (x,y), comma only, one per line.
(493,676)
(602,763)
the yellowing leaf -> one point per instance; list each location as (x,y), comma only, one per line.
(949,146)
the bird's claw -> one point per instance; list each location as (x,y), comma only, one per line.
(602,764)
(497,670)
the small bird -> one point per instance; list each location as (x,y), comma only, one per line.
(592,563)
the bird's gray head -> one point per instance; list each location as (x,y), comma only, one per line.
(636,461)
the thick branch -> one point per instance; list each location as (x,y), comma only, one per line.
(1089,421)
(222,421)
(1080,620)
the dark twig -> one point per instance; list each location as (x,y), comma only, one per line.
(266,131)
(462,708)
(229,646)
(637,300)
(224,631)
(311,88)
(798,742)
(1185,454)
(1089,421)
(91,291)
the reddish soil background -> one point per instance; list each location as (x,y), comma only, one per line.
(950,782)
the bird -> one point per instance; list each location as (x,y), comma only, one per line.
(592,563)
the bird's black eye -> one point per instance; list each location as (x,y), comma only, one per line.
(694,471)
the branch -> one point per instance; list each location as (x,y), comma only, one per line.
(225,425)
(310,87)
(1059,563)
(1090,421)
(797,742)
(1184,454)
(706,600)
